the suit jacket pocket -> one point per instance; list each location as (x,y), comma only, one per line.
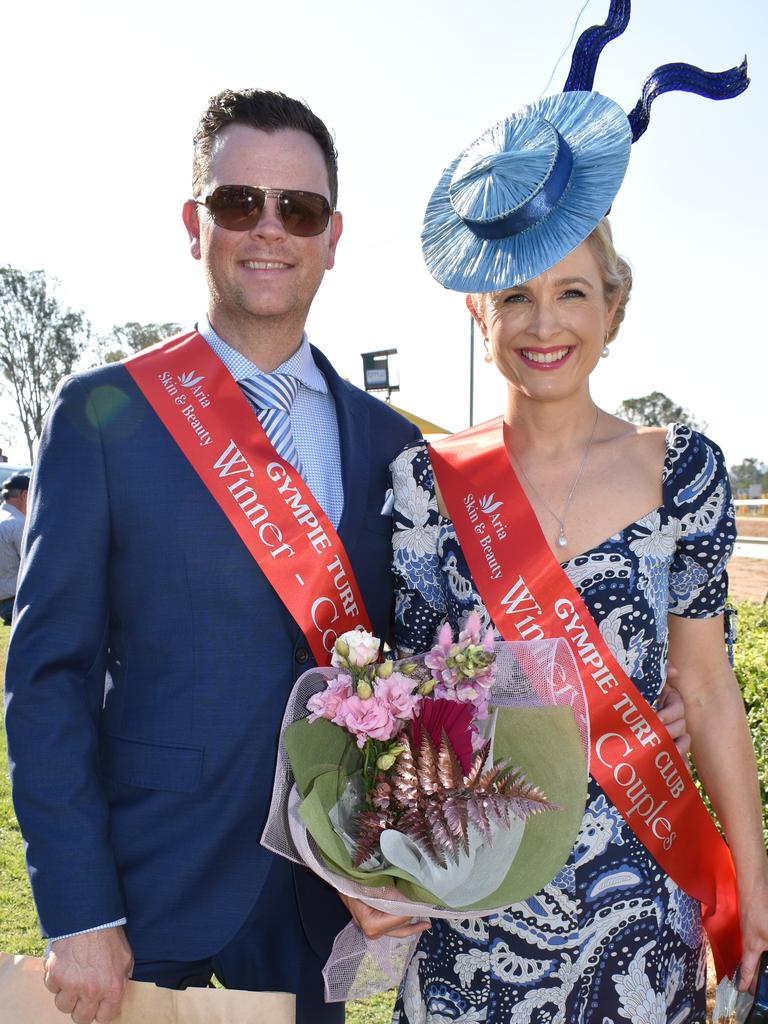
(177,769)
(378,524)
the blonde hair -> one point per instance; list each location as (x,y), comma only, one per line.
(614,270)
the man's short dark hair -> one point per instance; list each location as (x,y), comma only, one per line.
(14,486)
(267,111)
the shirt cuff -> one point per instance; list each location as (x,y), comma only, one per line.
(85,931)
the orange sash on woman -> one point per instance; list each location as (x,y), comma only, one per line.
(529,597)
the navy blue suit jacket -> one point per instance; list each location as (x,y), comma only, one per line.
(149,668)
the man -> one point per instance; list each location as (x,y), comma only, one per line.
(152,657)
(13,513)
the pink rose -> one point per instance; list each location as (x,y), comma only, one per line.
(369,718)
(327,702)
(397,693)
(362,649)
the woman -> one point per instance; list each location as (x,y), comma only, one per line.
(641,522)
(611,932)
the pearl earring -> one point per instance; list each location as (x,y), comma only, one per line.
(606,351)
(488,357)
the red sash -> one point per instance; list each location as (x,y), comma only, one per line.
(266,501)
(631,756)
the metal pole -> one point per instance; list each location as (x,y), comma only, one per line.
(471,371)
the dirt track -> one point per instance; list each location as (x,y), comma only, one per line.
(748,577)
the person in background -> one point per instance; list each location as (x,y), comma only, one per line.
(13,515)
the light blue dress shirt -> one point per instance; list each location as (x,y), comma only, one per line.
(313,417)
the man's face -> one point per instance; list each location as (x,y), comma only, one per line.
(265,272)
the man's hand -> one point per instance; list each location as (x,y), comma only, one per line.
(671,712)
(87,973)
(375,923)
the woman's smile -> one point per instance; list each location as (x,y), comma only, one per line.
(545,358)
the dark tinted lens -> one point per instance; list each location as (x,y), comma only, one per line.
(303,213)
(236,207)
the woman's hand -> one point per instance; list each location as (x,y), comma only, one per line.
(374,924)
(671,711)
(753,914)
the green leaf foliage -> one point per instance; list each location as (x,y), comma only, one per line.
(751,665)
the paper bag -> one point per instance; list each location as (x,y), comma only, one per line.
(25,1000)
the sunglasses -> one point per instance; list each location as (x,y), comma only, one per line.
(239,208)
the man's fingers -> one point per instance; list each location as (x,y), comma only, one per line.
(84,1012)
(107,1012)
(65,1001)
(408,930)
(375,924)
(109,1007)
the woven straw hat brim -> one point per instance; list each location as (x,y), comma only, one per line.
(599,135)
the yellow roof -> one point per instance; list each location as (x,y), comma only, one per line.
(425,426)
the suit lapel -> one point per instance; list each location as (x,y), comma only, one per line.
(354,440)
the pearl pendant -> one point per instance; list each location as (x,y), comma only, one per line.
(562,540)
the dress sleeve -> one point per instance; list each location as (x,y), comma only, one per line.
(420,606)
(697,494)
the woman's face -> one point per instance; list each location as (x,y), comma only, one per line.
(546,335)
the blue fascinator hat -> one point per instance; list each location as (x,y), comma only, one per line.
(534,186)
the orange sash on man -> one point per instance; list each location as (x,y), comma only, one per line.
(264,498)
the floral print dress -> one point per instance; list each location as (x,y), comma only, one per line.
(612,938)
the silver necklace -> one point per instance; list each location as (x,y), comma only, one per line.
(562,540)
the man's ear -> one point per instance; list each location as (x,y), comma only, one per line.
(337,226)
(191,219)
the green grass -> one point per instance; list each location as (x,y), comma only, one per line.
(19,932)
(18,923)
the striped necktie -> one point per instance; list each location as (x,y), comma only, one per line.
(272,395)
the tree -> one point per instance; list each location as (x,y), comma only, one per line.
(40,341)
(125,339)
(656,410)
(745,474)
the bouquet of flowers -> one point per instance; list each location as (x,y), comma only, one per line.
(420,785)
(426,796)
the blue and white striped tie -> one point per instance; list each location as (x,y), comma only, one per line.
(272,395)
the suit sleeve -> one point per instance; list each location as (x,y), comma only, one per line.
(56,675)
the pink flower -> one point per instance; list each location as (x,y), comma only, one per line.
(464,671)
(472,632)
(436,658)
(327,702)
(397,693)
(366,719)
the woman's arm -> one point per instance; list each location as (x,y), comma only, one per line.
(722,751)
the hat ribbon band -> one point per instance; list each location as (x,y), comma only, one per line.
(537,207)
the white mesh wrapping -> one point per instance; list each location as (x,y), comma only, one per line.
(529,674)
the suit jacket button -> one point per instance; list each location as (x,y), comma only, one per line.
(302,655)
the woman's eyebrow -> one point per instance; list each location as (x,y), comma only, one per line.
(572,280)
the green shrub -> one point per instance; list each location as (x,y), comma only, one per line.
(751,665)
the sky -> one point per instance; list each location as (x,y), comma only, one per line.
(101,101)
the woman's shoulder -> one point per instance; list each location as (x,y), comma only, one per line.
(695,473)
(689,452)
(411,461)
